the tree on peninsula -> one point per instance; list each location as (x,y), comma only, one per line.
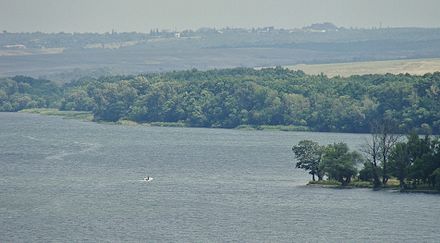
(308,155)
(339,163)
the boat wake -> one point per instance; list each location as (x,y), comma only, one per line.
(147,179)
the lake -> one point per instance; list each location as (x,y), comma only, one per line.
(67,180)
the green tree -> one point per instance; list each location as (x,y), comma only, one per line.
(415,160)
(400,162)
(308,155)
(77,100)
(372,150)
(340,164)
(370,173)
(113,100)
(387,138)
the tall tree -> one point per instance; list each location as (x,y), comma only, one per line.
(400,162)
(372,150)
(388,138)
(308,155)
(340,164)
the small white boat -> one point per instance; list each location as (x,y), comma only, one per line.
(147,179)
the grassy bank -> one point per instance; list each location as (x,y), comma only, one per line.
(337,184)
(80,115)
(393,184)
(88,116)
(241,127)
(290,128)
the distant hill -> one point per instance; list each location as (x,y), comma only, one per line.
(67,56)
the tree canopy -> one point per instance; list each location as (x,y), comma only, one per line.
(415,162)
(242,96)
(340,164)
(308,155)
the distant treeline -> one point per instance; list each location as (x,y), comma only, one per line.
(242,96)
(232,37)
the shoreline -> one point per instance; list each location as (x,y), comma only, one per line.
(364,185)
(88,117)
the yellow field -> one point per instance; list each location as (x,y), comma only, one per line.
(411,66)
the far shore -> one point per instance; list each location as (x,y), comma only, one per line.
(88,116)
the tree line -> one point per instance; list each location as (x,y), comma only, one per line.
(414,161)
(241,96)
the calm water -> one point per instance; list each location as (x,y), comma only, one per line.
(66,180)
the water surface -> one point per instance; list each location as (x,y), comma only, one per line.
(67,180)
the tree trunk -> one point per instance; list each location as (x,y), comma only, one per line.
(384,176)
(344,183)
(313,176)
(376,179)
(402,184)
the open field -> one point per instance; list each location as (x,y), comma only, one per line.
(65,57)
(80,115)
(411,66)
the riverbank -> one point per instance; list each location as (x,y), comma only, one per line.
(88,116)
(392,184)
(79,115)
(290,128)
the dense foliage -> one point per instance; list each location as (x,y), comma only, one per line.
(414,161)
(243,96)
(339,163)
(308,154)
(417,160)
(20,92)
(333,160)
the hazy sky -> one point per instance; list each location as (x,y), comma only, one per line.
(143,15)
